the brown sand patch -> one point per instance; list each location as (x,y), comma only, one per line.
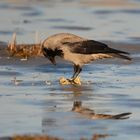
(46,137)
(110,3)
(24,50)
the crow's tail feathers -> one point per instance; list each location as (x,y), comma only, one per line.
(120,54)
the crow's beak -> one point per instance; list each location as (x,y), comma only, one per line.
(52,59)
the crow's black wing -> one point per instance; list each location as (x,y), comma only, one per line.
(91,47)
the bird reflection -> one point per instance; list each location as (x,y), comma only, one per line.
(77,107)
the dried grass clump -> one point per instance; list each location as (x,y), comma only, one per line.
(24,50)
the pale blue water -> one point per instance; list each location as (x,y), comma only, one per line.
(37,107)
(85,18)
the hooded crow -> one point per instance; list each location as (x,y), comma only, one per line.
(78,50)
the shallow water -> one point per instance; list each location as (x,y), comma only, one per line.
(110,20)
(38,104)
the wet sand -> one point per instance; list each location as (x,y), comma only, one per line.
(31,99)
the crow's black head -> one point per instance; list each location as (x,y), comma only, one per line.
(50,54)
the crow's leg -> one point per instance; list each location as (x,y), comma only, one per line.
(77,70)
